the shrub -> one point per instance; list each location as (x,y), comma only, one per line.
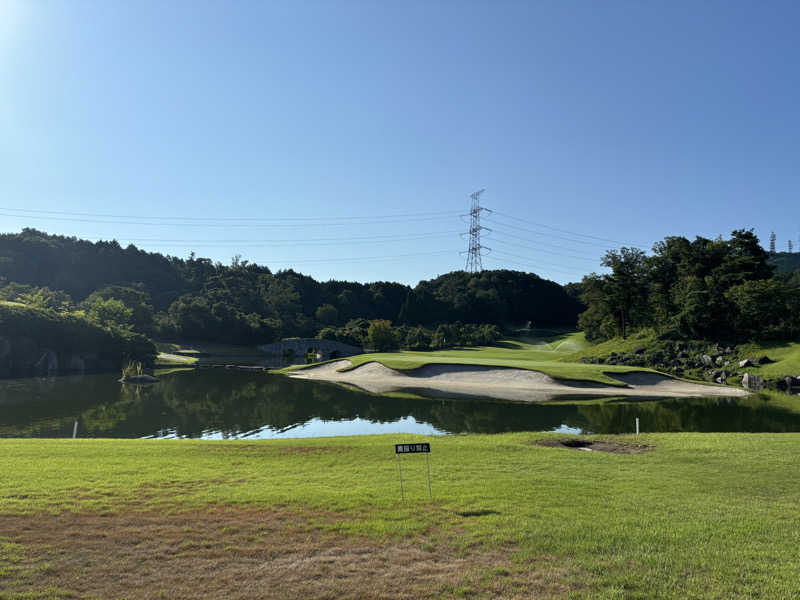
(381,336)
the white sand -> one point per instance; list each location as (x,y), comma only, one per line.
(503,383)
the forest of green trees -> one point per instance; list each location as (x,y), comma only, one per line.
(44,341)
(119,298)
(196,299)
(722,290)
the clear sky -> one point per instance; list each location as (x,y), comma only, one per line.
(344,138)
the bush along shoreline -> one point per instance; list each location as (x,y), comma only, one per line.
(43,342)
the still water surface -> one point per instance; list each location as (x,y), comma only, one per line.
(223,404)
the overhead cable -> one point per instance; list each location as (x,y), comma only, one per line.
(566,230)
(249,225)
(246,218)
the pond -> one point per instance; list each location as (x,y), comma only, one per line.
(226,404)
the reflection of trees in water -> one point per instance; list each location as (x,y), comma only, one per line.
(690,414)
(48,407)
(233,403)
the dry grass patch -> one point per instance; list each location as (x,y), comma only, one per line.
(269,449)
(313,449)
(244,553)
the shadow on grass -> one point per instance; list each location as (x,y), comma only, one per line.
(476,513)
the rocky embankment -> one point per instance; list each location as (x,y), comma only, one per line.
(713,363)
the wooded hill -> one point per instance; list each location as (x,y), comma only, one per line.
(721,290)
(195,298)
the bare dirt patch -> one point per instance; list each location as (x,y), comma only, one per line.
(246,553)
(595,445)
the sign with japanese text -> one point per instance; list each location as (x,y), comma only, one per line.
(411,448)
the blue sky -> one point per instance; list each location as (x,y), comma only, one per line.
(290,132)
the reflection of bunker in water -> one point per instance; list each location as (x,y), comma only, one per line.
(300,347)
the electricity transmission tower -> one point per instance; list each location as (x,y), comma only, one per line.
(772,243)
(474,252)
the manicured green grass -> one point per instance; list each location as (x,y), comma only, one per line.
(9,303)
(700,516)
(785,354)
(618,345)
(168,359)
(546,355)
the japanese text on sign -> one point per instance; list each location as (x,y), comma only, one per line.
(411,448)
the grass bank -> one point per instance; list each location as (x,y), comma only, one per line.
(699,515)
(785,354)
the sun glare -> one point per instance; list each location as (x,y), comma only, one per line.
(12,19)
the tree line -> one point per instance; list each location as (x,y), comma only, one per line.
(703,289)
(42,340)
(382,336)
(197,299)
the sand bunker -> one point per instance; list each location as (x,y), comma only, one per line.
(503,383)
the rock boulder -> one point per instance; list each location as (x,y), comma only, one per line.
(752,382)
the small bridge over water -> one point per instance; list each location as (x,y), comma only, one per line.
(325,349)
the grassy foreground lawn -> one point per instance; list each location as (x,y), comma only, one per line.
(552,356)
(698,516)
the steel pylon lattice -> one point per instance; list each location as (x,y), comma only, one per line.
(475,249)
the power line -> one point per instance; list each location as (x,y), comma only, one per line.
(474,253)
(584,258)
(543,234)
(527,239)
(566,230)
(250,218)
(360,258)
(536,267)
(379,221)
(292,241)
(550,235)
